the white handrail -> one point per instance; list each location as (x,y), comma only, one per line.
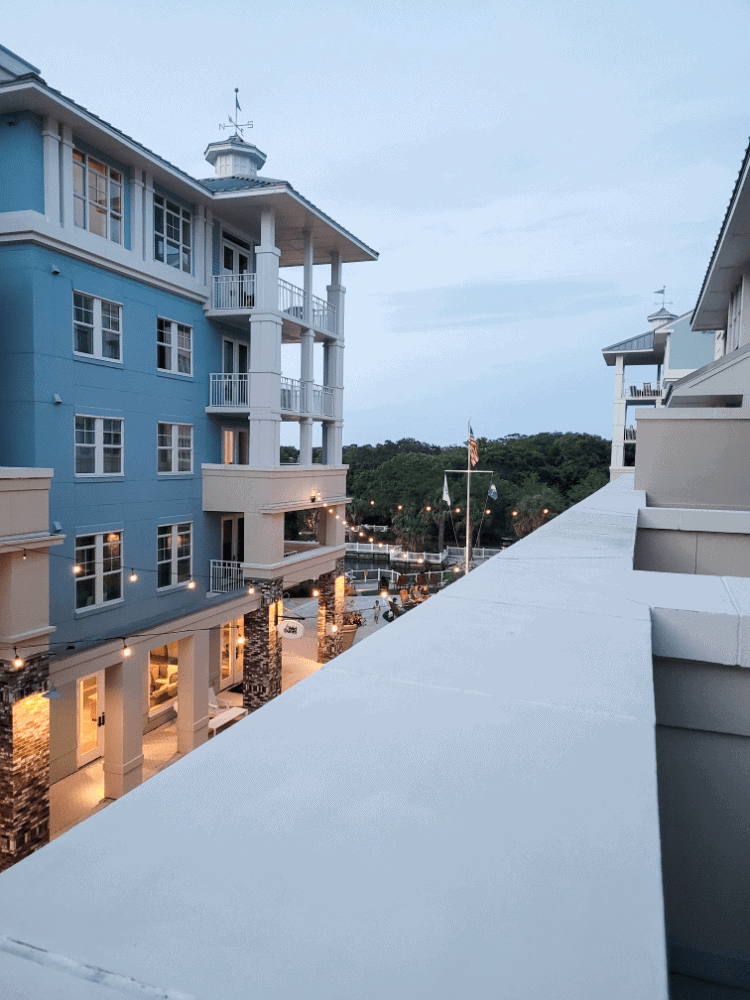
(226,576)
(291,395)
(230,389)
(234,291)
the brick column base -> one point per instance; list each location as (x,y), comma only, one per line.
(331,594)
(261,669)
(24,759)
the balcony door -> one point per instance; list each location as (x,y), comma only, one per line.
(234,364)
(232,646)
(234,446)
(90,718)
(233,538)
(236,262)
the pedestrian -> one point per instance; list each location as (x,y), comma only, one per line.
(376,609)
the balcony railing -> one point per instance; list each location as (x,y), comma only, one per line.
(226,576)
(644,391)
(630,433)
(230,389)
(323,314)
(322,401)
(234,291)
(291,395)
(291,300)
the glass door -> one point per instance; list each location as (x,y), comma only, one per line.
(90,718)
(237,262)
(234,362)
(232,646)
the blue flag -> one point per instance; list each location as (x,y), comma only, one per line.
(492,492)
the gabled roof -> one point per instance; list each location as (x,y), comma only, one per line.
(729,256)
(238,200)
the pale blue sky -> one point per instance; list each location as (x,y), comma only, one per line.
(530,173)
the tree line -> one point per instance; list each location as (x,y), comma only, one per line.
(400,484)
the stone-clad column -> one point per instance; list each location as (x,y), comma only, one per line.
(24,759)
(261,675)
(331,593)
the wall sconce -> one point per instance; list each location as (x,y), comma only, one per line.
(51,692)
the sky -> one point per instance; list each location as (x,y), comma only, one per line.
(529,173)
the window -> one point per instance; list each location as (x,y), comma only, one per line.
(163,668)
(97,196)
(174,347)
(98,446)
(175,447)
(174,551)
(172,235)
(96,327)
(98,569)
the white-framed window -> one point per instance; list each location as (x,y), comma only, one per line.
(174,347)
(172,233)
(97,327)
(97,197)
(98,569)
(174,446)
(98,446)
(174,556)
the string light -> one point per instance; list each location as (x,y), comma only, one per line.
(545,511)
(24,555)
(458,510)
(191,585)
(334,628)
(514,513)
(428,507)
(126,650)
(240,640)
(77,569)
(251,590)
(316,593)
(488,511)
(133,576)
(17,661)
(400,506)
(372,503)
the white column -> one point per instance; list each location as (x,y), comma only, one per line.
(66,174)
(618,416)
(199,244)
(265,351)
(192,692)
(123,727)
(307,342)
(51,142)
(744,318)
(137,216)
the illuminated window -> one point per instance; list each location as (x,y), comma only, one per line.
(97,197)
(99,564)
(163,673)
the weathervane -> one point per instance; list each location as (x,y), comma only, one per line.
(233,122)
(663,293)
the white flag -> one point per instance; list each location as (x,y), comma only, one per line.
(446,494)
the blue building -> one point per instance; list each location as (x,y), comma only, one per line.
(142,317)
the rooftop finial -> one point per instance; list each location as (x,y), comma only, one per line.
(234,122)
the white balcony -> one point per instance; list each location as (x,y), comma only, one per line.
(292,398)
(233,292)
(291,395)
(230,391)
(643,391)
(226,576)
(235,295)
(630,434)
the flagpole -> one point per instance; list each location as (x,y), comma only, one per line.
(468,497)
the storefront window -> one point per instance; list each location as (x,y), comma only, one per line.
(162,667)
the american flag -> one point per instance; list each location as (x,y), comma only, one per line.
(473,450)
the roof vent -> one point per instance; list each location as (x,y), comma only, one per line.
(233,157)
